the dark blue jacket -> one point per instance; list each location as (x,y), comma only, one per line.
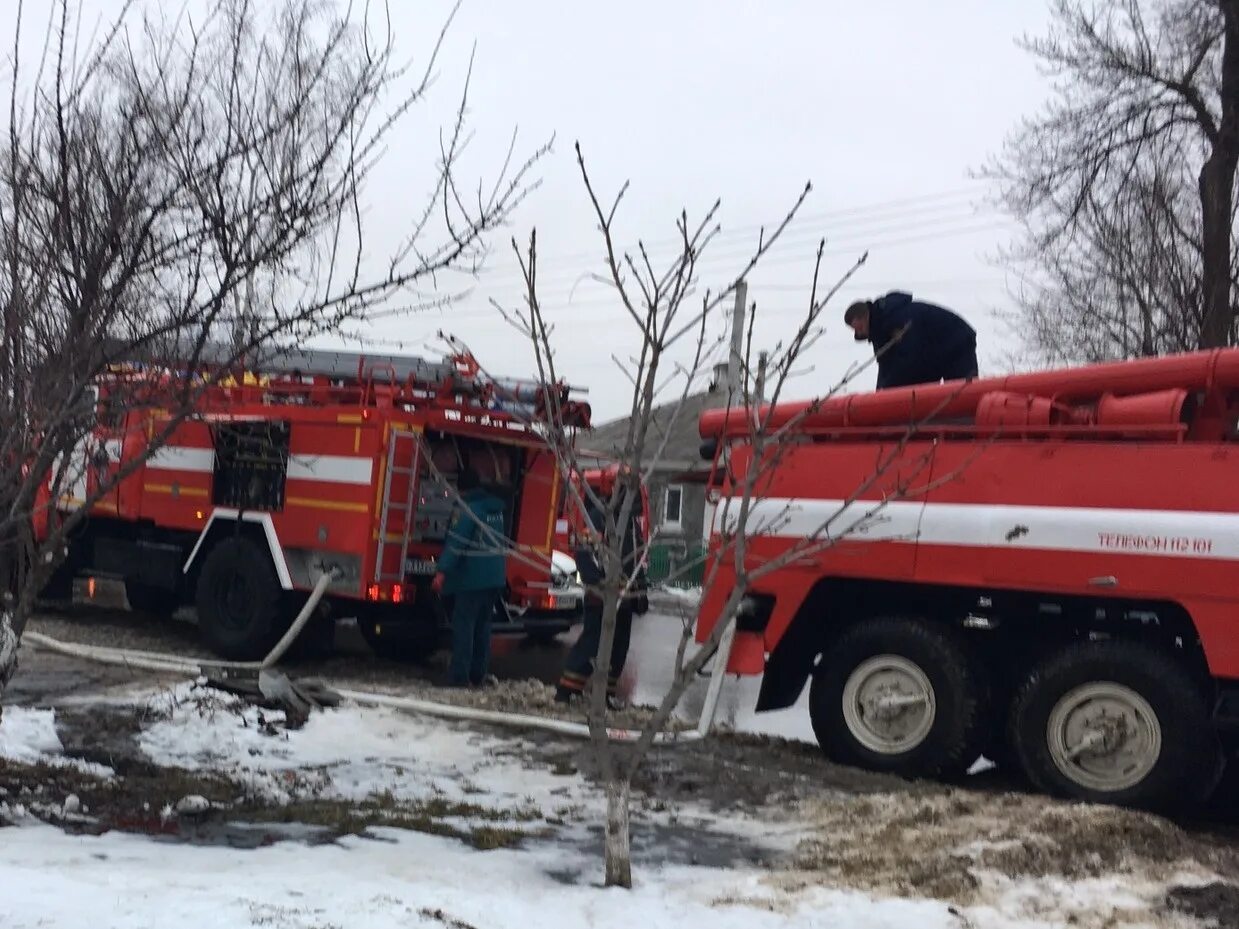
(587,564)
(473,558)
(936,345)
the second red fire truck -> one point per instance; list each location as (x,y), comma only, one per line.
(1041,567)
(320,462)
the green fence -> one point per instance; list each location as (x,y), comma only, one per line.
(677,564)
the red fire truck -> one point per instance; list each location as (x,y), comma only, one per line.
(602,482)
(321,461)
(1047,572)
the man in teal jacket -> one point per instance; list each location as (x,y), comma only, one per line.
(473,568)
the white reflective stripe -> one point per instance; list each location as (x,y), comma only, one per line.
(268,528)
(337,469)
(1165,533)
(77,471)
(182,458)
(867,521)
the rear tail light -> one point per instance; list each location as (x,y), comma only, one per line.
(389,593)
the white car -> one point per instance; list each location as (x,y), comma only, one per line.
(557,610)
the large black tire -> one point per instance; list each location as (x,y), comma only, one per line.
(939,736)
(154,601)
(1107,689)
(241,606)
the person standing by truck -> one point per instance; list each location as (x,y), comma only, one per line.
(473,570)
(915,342)
(579,665)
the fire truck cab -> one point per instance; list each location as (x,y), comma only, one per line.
(319,462)
(1042,568)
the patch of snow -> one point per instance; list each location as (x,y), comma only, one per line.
(192,805)
(686,596)
(28,736)
(351,753)
(60,881)
(1099,902)
(981,765)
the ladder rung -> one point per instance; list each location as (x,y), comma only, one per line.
(395,470)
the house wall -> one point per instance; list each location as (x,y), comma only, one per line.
(692,508)
(675,545)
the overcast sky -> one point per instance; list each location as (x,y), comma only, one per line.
(884,105)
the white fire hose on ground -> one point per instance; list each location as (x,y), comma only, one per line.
(156,661)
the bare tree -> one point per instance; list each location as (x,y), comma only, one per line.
(1125,183)
(676,332)
(188,195)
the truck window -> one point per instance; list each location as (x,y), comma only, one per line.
(251,464)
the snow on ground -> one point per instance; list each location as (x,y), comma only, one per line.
(871,843)
(397,879)
(391,877)
(29,736)
(353,753)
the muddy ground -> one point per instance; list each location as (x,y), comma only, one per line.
(866,831)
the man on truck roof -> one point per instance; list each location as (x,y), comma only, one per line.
(915,342)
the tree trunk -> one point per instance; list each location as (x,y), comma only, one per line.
(8,651)
(618,838)
(1217,181)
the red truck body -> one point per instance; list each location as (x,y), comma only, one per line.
(316,468)
(1034,536)
(602,482)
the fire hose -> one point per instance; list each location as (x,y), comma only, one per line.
(163,662)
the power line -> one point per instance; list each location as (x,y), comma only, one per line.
(854,250)
(860,235)
(902,205)
(557,309)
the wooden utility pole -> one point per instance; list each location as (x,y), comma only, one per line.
(735,360)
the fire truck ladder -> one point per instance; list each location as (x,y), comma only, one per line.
(396,513)
(459,373)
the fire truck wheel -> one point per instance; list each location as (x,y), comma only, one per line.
(240,602)
(901,696)
(1114,722)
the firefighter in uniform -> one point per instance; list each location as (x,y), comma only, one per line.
(579,664)
(473,569)
(916,342)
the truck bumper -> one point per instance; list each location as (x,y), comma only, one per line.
(559,615)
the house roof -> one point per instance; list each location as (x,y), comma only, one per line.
(682,453)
